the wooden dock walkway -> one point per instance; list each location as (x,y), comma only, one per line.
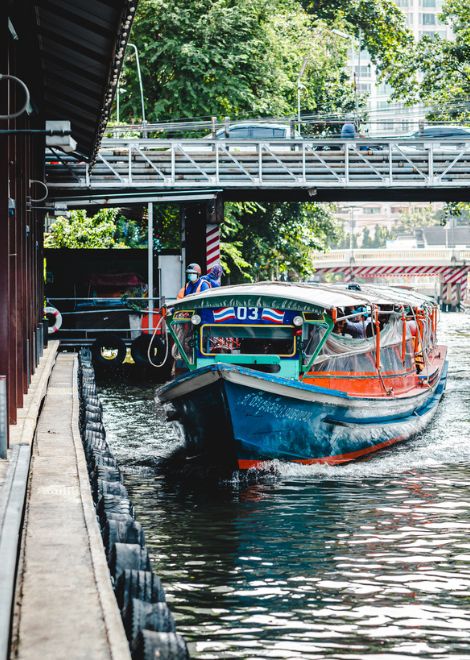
(64,602)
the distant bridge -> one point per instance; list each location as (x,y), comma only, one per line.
(275,170)
(450,265)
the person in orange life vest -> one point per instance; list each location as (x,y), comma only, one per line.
(195,283)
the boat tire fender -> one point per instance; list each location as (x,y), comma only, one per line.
(122,531)
(111,488)
(165,646)
(109,342)
(113,504)
(140,615)
(140,346)
(143,585)
(127,555)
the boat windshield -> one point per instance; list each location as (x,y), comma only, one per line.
(248,340)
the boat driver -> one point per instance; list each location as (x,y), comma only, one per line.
(195,283)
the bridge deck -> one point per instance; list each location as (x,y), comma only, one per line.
(288,164)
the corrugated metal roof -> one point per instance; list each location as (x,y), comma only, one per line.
(81,47)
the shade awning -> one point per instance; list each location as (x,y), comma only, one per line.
(286,295)
(81,47)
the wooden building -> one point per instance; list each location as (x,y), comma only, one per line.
(59,61)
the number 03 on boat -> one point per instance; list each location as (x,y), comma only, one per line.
(302,373)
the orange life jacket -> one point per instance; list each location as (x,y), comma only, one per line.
(182,291)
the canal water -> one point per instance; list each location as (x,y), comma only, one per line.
(369,560)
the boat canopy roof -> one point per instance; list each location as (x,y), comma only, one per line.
(302,297)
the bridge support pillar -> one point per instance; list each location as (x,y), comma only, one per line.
(200,225)
(453,290)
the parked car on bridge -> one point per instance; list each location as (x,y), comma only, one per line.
(247,133)
(453,137)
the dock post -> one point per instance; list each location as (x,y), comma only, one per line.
(150,263)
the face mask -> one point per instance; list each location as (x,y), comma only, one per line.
(192,277)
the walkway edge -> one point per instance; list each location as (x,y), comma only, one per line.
(10,535)
(11,514)
(23,432)
(118,643)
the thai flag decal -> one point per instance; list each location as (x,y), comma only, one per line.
(272,315)
(224,314)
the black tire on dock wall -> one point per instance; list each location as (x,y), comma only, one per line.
(95,426)
(100,455)
(106,473)
(92,415)
(87,375)
(95,443)
(113,504)
(140,615)
(164,646)
(122,531)
(126,555)
(118,517)
(91,436)
(109,342)
(143,585)
(103,458)
(88,390)
(93,402)
(111,488)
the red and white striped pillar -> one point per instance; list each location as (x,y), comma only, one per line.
(212,245)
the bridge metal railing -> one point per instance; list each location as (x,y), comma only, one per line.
(410,256)
(205,163)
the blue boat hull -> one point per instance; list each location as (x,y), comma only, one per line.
(236,417)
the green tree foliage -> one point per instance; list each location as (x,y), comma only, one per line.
(81,231)
(379,25)
(366,238)
(275,240)
(203,58)
(381,236)
(437,70)
(417,218)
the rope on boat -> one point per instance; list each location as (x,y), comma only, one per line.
(167,344)
(421,338)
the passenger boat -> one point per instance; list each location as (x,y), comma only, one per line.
(273,371)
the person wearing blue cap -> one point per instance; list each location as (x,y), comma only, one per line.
(214,276)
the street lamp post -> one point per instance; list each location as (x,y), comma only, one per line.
(352,227)
(141,87)
(300,87)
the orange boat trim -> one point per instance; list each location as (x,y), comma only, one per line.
(245,464)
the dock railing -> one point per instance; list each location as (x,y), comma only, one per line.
(134,306)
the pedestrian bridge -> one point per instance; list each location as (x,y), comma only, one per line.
(277,170)
(450,265)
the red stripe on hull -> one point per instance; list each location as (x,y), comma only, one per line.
(244,464)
